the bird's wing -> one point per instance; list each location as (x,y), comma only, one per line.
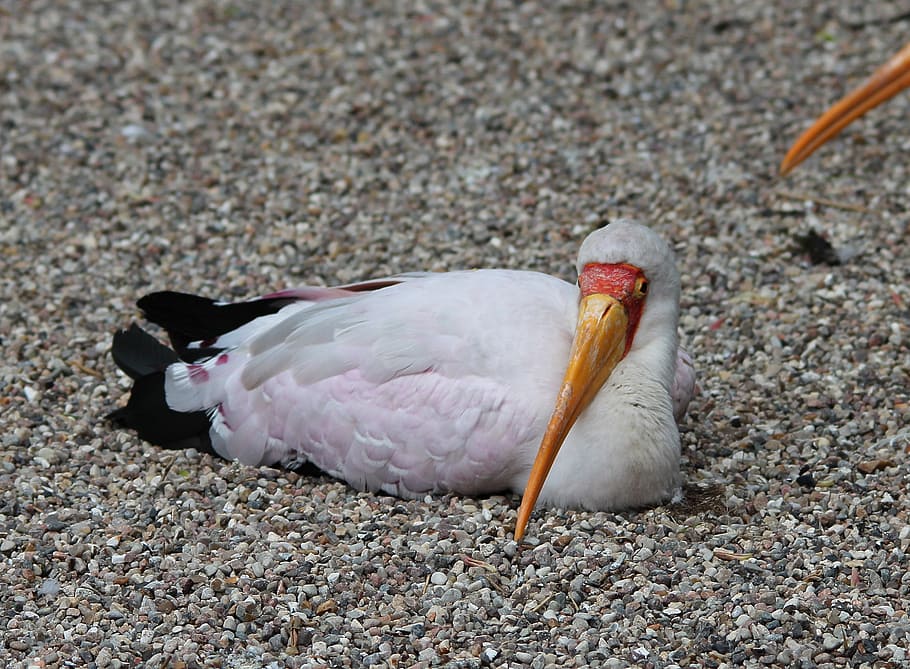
(417,386)
(683,389)
(288,301)
(397,335)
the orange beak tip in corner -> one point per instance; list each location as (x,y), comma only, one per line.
(885,83)
(600,343)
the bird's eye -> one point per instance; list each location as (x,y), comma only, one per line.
(642,287)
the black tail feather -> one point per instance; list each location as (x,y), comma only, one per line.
(186,318)
(139,354)
(144,359)
(148,414)
(191,318)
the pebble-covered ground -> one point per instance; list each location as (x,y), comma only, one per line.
(230,148)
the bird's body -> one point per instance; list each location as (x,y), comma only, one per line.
(436,382)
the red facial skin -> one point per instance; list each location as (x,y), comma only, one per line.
(622,281)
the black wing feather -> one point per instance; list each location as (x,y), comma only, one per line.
(191,318)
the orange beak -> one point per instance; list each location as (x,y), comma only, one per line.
(890,79)
(600,343)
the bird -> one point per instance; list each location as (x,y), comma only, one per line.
(886,82)
(469,382)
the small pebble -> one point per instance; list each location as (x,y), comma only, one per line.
(49,587)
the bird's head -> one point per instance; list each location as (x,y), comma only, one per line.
(627,277)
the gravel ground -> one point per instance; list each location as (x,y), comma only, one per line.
(230,149)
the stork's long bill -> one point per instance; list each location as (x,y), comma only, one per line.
(889,80)
(612,299)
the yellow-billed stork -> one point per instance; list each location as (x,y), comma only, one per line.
(469,382)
